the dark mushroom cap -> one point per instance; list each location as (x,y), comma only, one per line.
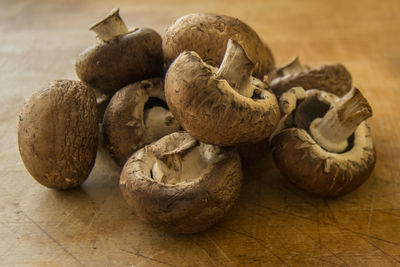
(182,203)
(211,110)
(108,66)
(208,35)
(57,134)
(305,163)
(329,78)
(124,124)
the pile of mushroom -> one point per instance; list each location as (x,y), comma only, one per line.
(174,112)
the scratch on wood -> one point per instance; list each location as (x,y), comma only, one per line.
(371,209)
(52,238)
(335,224)
(259,241)
(384,253)
(323,246)
(387,212)
(65,217)
(137,253)
(219,248)
(205,252)
(319,242)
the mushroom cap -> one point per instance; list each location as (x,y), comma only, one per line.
(57,134)
(211,110)
(108,66)
(189,204)
(208,35)
(334,79)
(124,127)
(305,163)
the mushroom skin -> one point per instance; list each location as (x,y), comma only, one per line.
(127,126)
(319,171)
(208,35)
(334,78)
(120,58)
(57,134)
(211,110)
(186,204)
(108,66)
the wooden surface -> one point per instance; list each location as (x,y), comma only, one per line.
(273,223)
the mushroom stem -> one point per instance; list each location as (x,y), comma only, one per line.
(159,122)
(333,130)
(292,67)
(110,27)
(236,68)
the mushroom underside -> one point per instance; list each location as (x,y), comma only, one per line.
(180,185)
(322,172)
(185,167)
(137,115)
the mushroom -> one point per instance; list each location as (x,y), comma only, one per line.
(136,116)
(224,106)
(330,78)
(120,56)
(57,134)
(328,150)
(180,185)
(208,35)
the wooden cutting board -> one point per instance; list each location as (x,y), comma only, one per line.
(273,223)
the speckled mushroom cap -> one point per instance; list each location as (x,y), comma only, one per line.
(334,79)
(208,35)
(305,163)
(196,187)
(124,124)
(57,134)
(211,111)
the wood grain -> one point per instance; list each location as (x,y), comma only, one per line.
(273,223)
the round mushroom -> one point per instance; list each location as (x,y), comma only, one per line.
(328,150)
(57,134)
(224,106)
(180,185)
(136,116)
(334,79)
(120,56)
(208,35)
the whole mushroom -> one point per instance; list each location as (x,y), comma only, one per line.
(57,134)
(120,56)
(180,185)
(334,78)
(136,116)
(208,35)
(224,106)
(328,150)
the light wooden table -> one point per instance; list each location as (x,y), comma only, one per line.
(273,223)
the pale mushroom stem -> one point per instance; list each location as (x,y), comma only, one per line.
(110,27)
(236,68)
(159,122)
(333,130)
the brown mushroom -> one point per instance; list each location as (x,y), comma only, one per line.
(120,56)
(136,116)
(328,150)
(330,78)
(208,35)
(224,106)
(57,134)
(180,185)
